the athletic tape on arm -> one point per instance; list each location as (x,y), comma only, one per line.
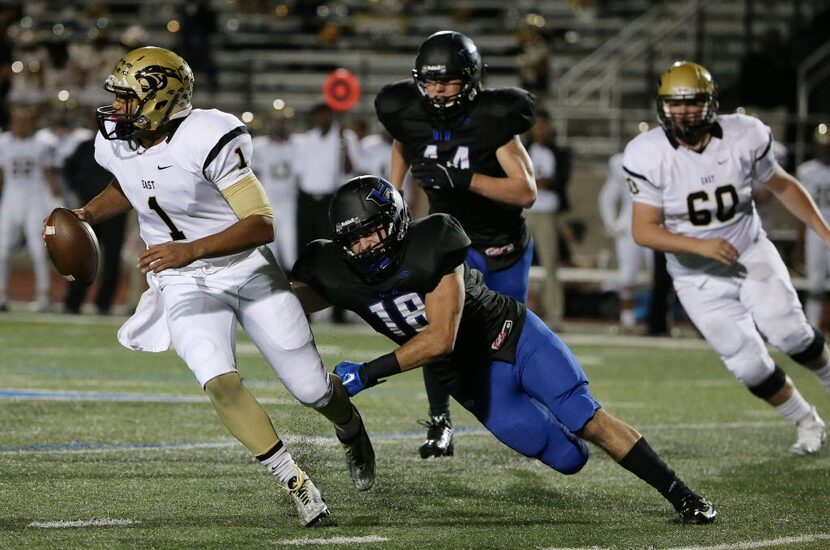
(247,197)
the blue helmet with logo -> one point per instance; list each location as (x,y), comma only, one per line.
(364,206)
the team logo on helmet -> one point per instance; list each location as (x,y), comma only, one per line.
(155,77)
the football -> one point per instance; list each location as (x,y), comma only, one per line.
(72,246)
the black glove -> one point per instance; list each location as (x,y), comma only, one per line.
(431,173)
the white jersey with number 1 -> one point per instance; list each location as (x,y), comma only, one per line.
(176,186)
(704,194)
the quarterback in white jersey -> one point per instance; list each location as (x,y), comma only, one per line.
(691,182)
(615,211)
(205,220)
(30,192)
(273,160)
(815,175)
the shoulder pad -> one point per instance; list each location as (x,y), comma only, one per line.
(452,242)
(395,97)
(515,108)
(307,266)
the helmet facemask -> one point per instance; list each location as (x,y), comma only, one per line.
(689,127)
(446,107)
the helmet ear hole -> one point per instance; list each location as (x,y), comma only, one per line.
(161,105)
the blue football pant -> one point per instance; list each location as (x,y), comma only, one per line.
(512,281)
(536,405)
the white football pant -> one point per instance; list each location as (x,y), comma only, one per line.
(203,306)
(726,310)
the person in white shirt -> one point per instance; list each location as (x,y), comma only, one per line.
(691,182)
(322,161)
(615,211)
(205,220)
(274,162)
(815,175)
(63,138)
(30,191)
(541,218)
(376,154)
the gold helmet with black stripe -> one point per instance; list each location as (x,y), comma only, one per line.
(687,83)
(160,82)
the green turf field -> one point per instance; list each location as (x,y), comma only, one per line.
(91,432)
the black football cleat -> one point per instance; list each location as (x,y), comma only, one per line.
(696,510)
(360,459)
(439,437)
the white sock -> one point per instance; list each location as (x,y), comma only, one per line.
(627,318)
(823,375)
(278,462)
(349,430)
(795,408)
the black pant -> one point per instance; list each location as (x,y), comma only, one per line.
(110,238)
(659,311)
(313,223)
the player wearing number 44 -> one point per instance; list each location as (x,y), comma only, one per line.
(461,143)
(206,221)
(691,183)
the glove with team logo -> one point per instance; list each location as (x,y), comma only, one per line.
(353,376)
(356,377)
(431,173)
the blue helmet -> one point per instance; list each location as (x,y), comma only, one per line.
(363,206)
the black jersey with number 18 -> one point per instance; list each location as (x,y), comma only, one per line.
(435,246)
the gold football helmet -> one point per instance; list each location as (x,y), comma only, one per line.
(160,81)
(691,84)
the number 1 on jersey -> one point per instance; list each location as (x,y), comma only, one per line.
(175,233)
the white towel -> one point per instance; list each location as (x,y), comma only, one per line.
(147,329)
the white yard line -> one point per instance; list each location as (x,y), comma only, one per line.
(81,523)
(369,539)
(746,545)
(769,543)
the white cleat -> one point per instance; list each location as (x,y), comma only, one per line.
(310,505)
(811,434)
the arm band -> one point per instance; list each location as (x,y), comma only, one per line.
(383,366)
(247,197)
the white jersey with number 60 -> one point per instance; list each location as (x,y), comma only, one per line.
(176,186)
(704,194)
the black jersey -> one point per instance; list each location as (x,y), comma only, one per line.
(469,141)
(436,245)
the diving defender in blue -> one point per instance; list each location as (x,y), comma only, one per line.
(409,281)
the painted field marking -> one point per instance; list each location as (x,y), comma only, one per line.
(746,545)
(335,540)
(82,523)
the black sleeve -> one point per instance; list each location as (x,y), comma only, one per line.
(454,243)
(309,268)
